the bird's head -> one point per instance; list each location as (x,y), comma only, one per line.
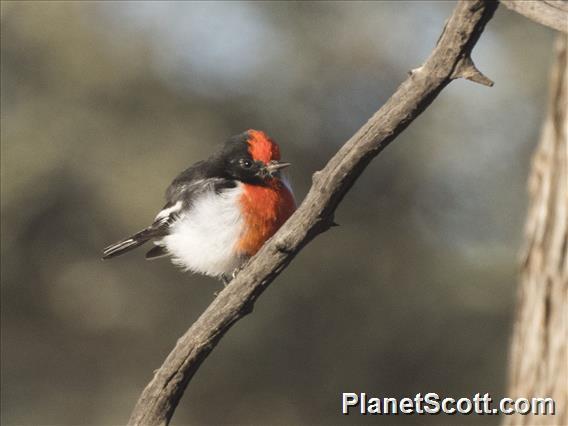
(252,157)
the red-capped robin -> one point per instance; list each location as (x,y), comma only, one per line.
(220,211)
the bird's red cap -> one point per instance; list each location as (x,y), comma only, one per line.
(262,148)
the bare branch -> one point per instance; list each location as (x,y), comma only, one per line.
(551,13)
(539,347)
(449,60)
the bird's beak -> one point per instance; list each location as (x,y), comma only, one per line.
(274,166)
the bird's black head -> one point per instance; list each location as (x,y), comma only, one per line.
(251,157)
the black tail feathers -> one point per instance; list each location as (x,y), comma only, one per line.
(123,246)
(130,243)
(156,252)
(156,230)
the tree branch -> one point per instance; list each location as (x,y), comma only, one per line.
(449,60)
(551,13)
(539,347)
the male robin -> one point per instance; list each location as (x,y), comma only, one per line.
(220,211)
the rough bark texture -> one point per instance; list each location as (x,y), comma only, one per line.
(552,13)
(539,357)
(449,60)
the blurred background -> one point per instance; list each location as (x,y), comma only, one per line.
(103,103)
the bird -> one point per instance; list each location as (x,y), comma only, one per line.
(219,211)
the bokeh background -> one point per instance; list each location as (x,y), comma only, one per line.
(103,103)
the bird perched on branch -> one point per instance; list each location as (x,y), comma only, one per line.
(220,211)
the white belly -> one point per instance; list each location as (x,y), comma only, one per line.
(203,240)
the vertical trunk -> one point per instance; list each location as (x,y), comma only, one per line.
(539,363)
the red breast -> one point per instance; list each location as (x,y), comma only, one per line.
(264,208)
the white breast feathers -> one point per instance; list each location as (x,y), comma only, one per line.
(203,239)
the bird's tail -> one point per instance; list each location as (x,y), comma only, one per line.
(127,244)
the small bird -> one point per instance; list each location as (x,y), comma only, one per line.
(219,212)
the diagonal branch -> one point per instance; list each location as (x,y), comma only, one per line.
(449,60)
(551,13)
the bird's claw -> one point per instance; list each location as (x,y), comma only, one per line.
(226,279)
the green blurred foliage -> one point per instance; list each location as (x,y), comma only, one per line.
(104,102)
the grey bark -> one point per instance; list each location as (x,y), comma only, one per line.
(449,60)
(552,13)
(539,356)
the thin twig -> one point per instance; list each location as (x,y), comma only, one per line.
(315,215)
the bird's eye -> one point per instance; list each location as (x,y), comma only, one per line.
(247,164)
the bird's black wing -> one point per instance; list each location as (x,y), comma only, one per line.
(203,176)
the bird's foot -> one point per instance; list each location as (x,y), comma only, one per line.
(226,279)
(236,271)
